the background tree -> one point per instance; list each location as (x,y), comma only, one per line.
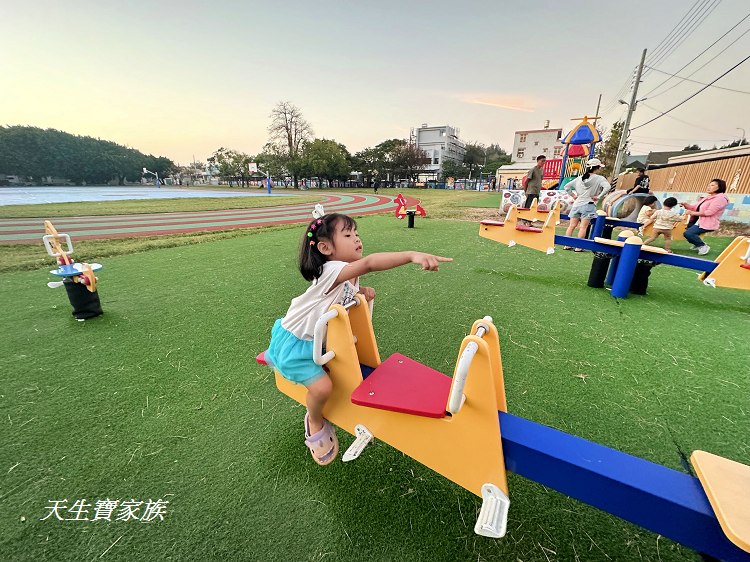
(233,165)
(287,132)
(741,142)
(36,153)
(366,162)
(606,150)
(496,157)
(453,169)
(408,160)
(475,157)
(692,147)
(273,161)
(387,153)
(325,159)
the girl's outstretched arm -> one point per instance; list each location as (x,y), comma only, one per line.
(389,260)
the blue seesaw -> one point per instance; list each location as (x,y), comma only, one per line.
(460,428)
(731,269)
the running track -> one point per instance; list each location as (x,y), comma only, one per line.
(29,231)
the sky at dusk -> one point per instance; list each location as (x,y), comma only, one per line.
(181,79)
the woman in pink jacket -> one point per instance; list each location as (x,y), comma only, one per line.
(706,214)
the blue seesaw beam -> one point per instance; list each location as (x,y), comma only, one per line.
(634,254)
(601,222)
(667,502)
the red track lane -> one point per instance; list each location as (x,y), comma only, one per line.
(78,224)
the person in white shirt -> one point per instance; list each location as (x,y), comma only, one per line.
(331,258)
(586,190)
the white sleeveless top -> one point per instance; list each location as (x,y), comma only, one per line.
(307,308)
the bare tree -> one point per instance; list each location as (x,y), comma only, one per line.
(288,131)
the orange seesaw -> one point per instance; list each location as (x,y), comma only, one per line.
(460,428)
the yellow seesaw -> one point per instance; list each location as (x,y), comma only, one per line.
(535,214)
(448,425)
(733,270)
(511,232)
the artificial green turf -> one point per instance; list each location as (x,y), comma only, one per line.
(161,398)
(483,200)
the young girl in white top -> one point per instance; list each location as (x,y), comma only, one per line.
(331,258)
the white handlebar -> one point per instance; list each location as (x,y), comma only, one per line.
(319,336)
(456,399)
(321,329)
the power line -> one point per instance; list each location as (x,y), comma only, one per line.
(659,47)
(692,96)
(644,142)
(702,52)
(695,82)
(682,34)
(702,66)
(649,143)
(646,139)
(686,122)
(698,20)
(677,31)
(624,88)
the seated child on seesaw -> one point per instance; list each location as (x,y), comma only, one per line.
(664,220)
(649,206)
(331,259)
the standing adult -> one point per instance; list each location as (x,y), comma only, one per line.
(587,190)
(706,214)
(641,183)
(532,182)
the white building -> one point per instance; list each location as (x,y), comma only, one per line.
(439,143)
(527,145)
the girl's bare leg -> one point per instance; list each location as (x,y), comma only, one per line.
(318,394)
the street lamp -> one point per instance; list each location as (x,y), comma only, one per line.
(155,174)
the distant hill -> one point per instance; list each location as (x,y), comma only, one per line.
(34,153)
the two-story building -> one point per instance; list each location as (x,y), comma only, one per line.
(440,143)
(527,145)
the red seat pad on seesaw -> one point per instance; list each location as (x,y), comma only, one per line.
(493,223)
(528,228)
(403,385)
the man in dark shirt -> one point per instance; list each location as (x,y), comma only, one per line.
(534,181)
(641,183)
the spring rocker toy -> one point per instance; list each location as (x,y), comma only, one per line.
(461,429)
(77,278)
(402,211)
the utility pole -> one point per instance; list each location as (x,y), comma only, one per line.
(626,126)
(592,152)
(598,105)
